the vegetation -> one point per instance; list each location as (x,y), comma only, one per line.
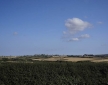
(53,73)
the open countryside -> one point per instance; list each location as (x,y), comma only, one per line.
(72,59)
(69,58)
(53,42)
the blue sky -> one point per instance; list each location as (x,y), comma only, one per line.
(53,27)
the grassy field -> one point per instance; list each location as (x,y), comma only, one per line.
(73,59)
(70,59)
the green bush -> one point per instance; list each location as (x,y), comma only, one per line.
(54,73)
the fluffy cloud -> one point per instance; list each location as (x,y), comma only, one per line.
(80,37)
(73,39)
(75,25)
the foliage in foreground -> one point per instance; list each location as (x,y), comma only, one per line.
(54,73)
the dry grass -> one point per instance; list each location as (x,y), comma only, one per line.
(48,59)
(100,60)
(78,59)
(73,59)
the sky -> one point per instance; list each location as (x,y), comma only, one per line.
(65,27)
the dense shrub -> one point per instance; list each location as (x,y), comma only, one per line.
(54,73)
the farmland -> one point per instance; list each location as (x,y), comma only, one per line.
(53,58)
(72,59)
(53,73)
(55,70)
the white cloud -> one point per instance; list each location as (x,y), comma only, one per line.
(80,37)
(75,25)
(100,22)
(74,39)
(85,36)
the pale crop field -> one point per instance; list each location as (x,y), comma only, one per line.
(72,59)
(100,60)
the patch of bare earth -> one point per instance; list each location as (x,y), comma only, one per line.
(78,59)
(100,60)
(72,59)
